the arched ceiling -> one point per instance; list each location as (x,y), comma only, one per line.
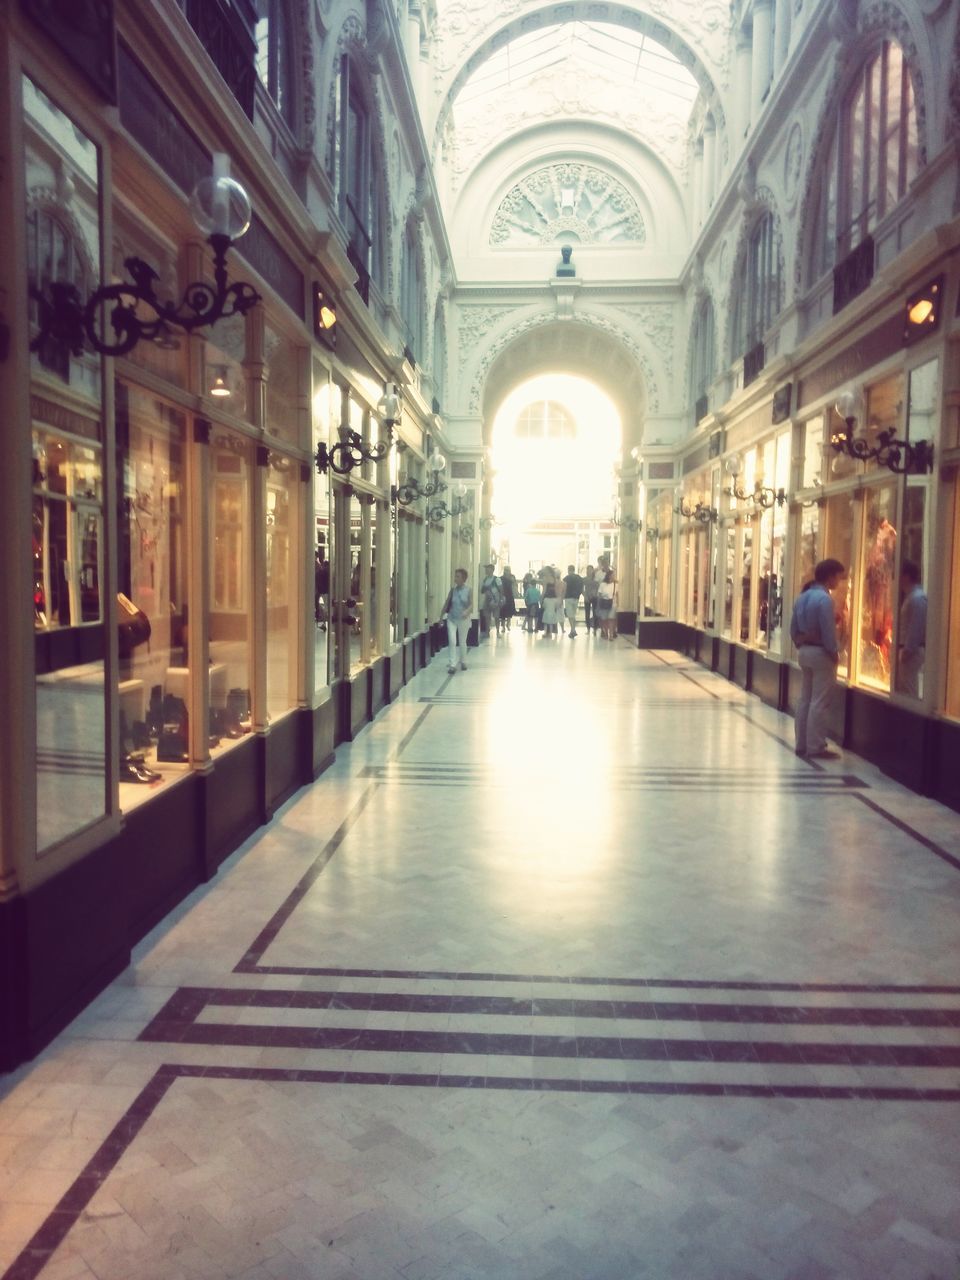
(575,71)
(471,33)
(568,347)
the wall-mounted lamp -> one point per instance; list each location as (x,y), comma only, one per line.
(701,512)
(221,209)
(900,456)
(324,316)
(922,311)
(412,490)
(219,386)
(762,495)
(487,522)
(350,450)
(627,522)
(442,512)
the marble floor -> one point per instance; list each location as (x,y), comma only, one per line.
(567,969)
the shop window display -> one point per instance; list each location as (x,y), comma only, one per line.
(877,603)
(837,536)
(153,677)
(62,185)
(230,609)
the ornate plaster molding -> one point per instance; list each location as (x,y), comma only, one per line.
(572,199)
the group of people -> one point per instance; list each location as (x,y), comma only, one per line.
(551,601)
(813,629)
(548,602)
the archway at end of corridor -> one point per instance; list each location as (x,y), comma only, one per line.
(555,445)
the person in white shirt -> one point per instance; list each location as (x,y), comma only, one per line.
(456,613)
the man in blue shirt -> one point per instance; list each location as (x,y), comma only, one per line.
(913,630)
(813,630)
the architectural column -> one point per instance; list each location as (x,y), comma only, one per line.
(760,55)
(709,176)
(254,368)
(741,89)
(781,35)
(696,185)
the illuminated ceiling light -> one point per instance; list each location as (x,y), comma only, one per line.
(220,387)
(923,311)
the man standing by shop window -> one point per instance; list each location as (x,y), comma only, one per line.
(814,632)
(913,630)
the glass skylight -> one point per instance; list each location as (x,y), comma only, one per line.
(614,50)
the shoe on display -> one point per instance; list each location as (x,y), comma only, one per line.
(451,671)
(133,771)
(827,753)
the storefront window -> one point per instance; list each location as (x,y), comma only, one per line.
(776,571)
(885,412)
(837,533)
(283,595)
(953,638)
(283,388)
(224,377)
(324,396)
(230,612)
(879,561)
(746,578)
(808,535)
(912,618)
(728,537)
(63,247)
(812,474)
(154,673)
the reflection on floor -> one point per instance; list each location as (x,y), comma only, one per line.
(567,968)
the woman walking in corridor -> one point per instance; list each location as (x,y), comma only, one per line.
(606,594)
(456,612)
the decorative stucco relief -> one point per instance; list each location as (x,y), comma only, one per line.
(590,319)
(655,320)
(476,323)
(573,200)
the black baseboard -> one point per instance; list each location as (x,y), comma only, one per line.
(660,633)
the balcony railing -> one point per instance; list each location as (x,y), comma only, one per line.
(230,45)
(853,274)
(753,362)
(359,245)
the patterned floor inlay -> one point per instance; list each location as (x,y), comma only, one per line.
(666,1034)
(448,1050)
(432,774)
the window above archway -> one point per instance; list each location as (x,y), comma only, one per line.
(545,420)
(574,202)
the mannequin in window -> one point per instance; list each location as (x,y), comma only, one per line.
(879,581)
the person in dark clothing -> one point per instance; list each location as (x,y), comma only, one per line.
(572,591)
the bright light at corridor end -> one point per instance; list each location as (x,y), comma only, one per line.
(560,477)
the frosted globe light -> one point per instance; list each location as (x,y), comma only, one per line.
(733,464)
(220,206)
(847,404)
(437,461)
